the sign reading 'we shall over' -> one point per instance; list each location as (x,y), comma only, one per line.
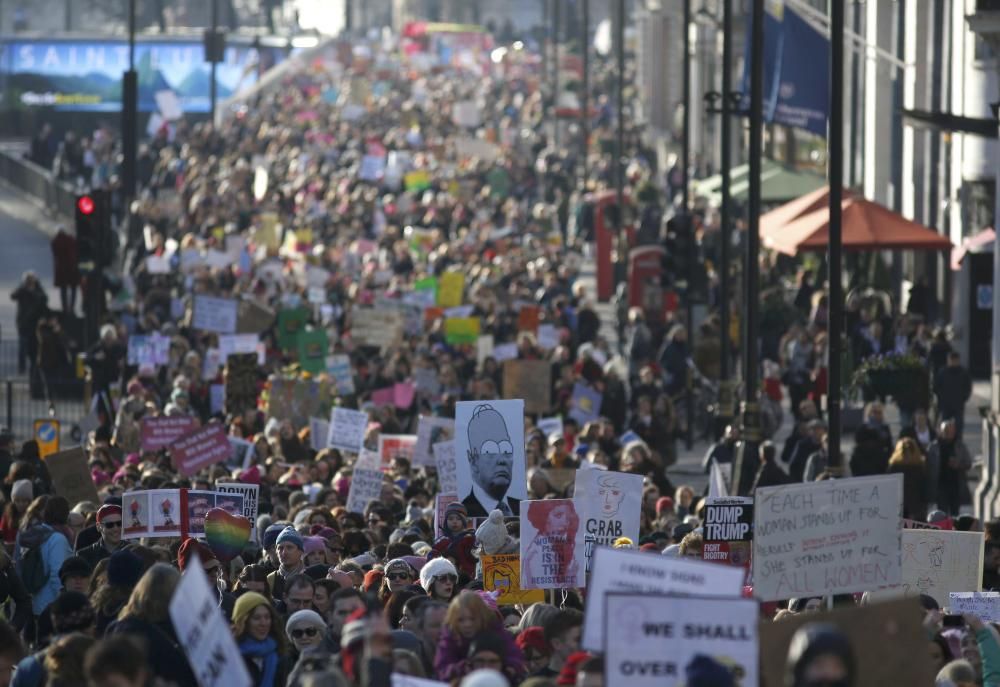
(832,537)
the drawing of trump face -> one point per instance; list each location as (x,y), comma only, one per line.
(491,453)
(611,494)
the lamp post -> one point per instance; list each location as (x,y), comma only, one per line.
(130,125)
(620,144)
(835,157)
(585,95)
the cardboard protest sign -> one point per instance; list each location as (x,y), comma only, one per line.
(886,642)
(241,383)
(366,486)
(489,456)
(392,446)
(833,537)
(728,530)
(291,321)
(399,395)
(71,476)
(347,429)
(203,632)
(339,368)
(312,348)
(939,562)
(251,498)
(530,380)
(609,504)
(449,289)
(214,314)
(505,351)
(376,328)
(503,572)
(983,605)
(650,640)
(157,432)
(465,113)
(447,468)
(199,449)
(626,570)
(153,349)
(167,512)
(528,318)
(561,480)
(584,404)
(461,330)
(431,430)
(253,317)
(297,399)
(547,337)
(552,546)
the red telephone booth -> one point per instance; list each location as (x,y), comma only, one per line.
(605,239)
(645,267)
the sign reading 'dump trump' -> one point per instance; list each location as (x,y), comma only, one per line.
(833,537)
(489,456)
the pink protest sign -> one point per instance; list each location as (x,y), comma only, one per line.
(158,432)
(201,448)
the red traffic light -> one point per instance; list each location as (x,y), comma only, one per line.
(85,204)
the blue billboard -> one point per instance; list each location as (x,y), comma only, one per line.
(796,71)
(86,75)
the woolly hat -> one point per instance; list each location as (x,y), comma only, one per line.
(458,508)
(420,548)
(313,545)
(492,534)
(704,671)
(399,565)
(124,569)
(490,599)
(304,618)
(435,568)
(108,510)
(373,578)
(341,578)
(270,539)
(189,548)
(484,678)
(245,605)
(571,667)
(74,566)
(291,536)
(533,638)
(664,503)
(22,489)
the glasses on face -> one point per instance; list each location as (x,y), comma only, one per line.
(304,632)
(111,524)
(398,577)
(446,578)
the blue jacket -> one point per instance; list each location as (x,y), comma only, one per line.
(55,549)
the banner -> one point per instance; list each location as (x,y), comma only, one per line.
(610,505)
(174,512)
(939,562)
(214,314)
(430,431)
(230,344)
(503,572)
(728,530)
(627,570)
(489,455)
(651,640)
(347,429)
(833,537)
(552,546)
(366,486)
(203,632)
(241,382)
(530,380)
(251,498)
(71,475)
(199,449)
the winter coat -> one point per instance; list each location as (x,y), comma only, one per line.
(65,267)
(914,489)
(452,660)
(166,658)
(953,387)
(55,549)
(32,304)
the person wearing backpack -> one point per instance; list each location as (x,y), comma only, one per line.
(43,543)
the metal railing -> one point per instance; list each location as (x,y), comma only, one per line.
(58,196)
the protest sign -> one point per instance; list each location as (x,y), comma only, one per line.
(484,348)
(625,570)
(196,504)
(461,330)
(561,480)
(376,328)
(216,398)
(530,380)
(400,680)
(148,350)
(203,632)
(506,351)
(449,289)
(339,368)
(71,476)
(230,344)
(528,318)
(392,446)
(241,382)
(166,511)
(253,317)
(214,314)
(399,395)
(430,431)
(174,512)
(833,537)
(489,455)
(447,468)
(465,113)
(347,429)
(547,337)
(251,497)
(728,530)
(650,640)
(417,180)
(938,562)
(425,381)
(200,448)
(885,642)
(550,426)
(610,505)
(291,321)
(983,605)
(312,348)
(366,486)
(136,521)
(242,454)
(372,168)
(441,502)
(157,432)
(502,573)
(297,399)
(319,432)
(584,404)
(552,546)
(467,147)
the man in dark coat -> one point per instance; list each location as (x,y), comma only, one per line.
(953,388)
(65,268)
(109,524)
(32,305)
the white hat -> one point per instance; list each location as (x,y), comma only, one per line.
(484,678)
(492,534)
(22,489)
(435,567)
(305,617)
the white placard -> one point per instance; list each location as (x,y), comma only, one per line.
(609,504)
(493,430)
(319,432)
(650,640)
(339,368)
(833,537)
(444,459)
(366,486)
(430,431)
(937,563)
(347,429)
(507,351)
(203,632)
(548,336)
(983,605)
(251,497)
(158,264)
(484,348)
(626,570)
(214,314)
(552,545)
(550,426)
(233,344)
(168,104)
(465,113)
(400,680)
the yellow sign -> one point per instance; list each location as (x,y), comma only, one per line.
(461,330)
(47,435)
(450,288)
(503,572)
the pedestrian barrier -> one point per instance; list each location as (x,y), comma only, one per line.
(23,401)
(58,196)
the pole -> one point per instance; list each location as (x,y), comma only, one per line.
(686,218)
(835,157)
(726,160)
(746,462)
(620,145)
(555,70)
(585,96)
(130,114)
(212,85)
(348,15)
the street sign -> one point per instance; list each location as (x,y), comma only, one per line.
(46,433)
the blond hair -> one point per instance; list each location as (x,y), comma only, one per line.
(471,603)
(907,452)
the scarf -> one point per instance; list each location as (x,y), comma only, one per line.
(267,650)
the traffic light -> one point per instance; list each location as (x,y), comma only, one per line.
(683,260)
(93,230)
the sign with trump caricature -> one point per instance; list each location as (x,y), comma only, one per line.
(609,504)
(489,456)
